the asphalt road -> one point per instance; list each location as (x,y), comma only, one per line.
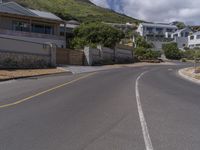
(141,108)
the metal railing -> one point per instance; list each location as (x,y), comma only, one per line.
(31,34)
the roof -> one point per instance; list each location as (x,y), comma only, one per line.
(44,14)
(196,33)
(14,8)
(159,25)
(181,30)
(74,22)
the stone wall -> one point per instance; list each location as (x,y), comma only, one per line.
(25,54)
(21,60)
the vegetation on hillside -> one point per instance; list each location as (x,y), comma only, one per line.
(92,34)
(144,50)
(81,10)
(171,51)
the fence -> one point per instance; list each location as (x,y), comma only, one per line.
(103,55)
(25,54)
(69,57)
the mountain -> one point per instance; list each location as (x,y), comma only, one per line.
(81,10)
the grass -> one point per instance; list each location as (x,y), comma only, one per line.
(81,10)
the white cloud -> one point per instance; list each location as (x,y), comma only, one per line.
(158,10)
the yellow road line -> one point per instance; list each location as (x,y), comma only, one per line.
(44,92)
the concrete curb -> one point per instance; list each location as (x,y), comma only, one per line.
(180,72)
(43,75)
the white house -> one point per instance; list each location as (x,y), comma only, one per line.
(156,30)
(181,37)
(18,22)
(194,40)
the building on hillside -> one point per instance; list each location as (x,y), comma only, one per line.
(194,40)
(181,37)
(67,29)
(124,27)
(18,22)
(156,31)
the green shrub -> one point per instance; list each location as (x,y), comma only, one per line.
(141,42)
(183,60)
(146,54)
(171,51)
(191,54)
(92,34)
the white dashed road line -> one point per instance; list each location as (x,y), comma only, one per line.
(145,131)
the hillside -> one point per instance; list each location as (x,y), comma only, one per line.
(81,10)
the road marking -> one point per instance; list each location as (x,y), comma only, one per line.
(44,92)
(143,122)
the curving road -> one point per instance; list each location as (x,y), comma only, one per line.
(131,108)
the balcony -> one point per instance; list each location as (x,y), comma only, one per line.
(31,34)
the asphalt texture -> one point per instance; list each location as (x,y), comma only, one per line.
(98,111)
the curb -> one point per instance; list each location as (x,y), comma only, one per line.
(24,77)
(180,72)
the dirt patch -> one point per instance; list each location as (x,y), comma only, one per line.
(10,74)
(191,73)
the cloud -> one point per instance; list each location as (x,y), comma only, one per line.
(157,10)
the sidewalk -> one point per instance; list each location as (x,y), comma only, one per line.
(23,73)
(86,69)
(188,73)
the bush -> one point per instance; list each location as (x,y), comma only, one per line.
(141,42)
(171,51)
(146,54)
(191,54)
(183,60)
(93,34)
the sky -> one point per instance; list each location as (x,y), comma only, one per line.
(164,11)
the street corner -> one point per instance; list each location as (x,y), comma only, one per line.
(190,74)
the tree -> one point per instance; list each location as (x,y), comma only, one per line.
(146,54)
(179,24)
(141,42)
(92,34)
(171,51)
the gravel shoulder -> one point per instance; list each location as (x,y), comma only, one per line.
(22,73)
(189,74)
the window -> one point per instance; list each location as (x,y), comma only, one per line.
(197,45)
(182,34)
(198,36)
(191,46)
(169,30)
(191,37)
(44,29)
(175,35)
(159,29)
(186,34)
(20,26)
(149,29)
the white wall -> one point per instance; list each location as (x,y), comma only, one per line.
(193,43)
(181,42)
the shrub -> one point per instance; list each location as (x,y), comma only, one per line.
(171,51)
(141,42)
(92,34)
(191,54)
(146,54)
